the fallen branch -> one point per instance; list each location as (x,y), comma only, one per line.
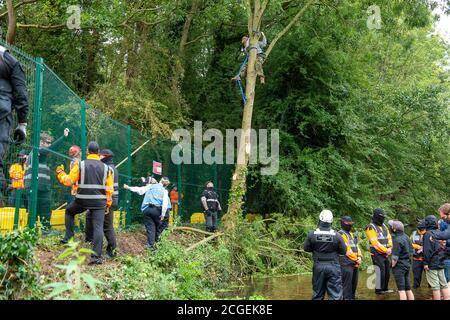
(195,245)
(192,230)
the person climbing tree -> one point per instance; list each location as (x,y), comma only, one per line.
(260,57)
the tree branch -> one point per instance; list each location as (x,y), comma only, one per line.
(288,27)
(17,6)
(189,229)
(39,26)
(195,245)
(196,39)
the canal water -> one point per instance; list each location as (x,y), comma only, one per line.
(298,287)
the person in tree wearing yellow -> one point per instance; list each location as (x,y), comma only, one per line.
(17,174)
(380,249)
(351,261)
(95,190)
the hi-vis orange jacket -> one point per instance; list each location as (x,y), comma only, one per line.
(75,185)
(74,176)
(353,250)
(17,173)
(379,237)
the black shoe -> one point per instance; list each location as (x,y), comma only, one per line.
(379,291)
(63,241)
(95,261)
(388,291)
(111,253)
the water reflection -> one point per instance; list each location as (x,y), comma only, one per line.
(298,287)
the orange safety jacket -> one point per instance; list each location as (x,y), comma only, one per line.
(75,185)
(17,173)
(379,237)
(74,176)
(353,250)
(174,196)
(417,244)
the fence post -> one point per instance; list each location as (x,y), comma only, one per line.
(18,194)
(83,129)
(39,77)
(129,173)
(180,192)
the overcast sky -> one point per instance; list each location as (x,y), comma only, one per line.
(443,25)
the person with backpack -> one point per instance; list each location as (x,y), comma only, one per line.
(434,256)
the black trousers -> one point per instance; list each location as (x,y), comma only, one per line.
(152,222)
(417,269)
(382,271)
(23,202)
(162,226)
(349,281)
(5,133)
(108,230)
(327,278)
(98,217)
(211,220)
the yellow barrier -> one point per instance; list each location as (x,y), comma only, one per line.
(57,219)
(7,219)
(198,217)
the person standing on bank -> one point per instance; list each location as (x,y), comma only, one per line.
(402,252)
(211,204)
(326,245)
(417,243)
(13,95)
(95,189)
(154,206)
(380,249)
(351,261)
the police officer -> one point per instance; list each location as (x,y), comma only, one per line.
(211,204)
(351,261)
(95,189)
(380,249)
(326,246)
(13,95)
(154,206)
(417,243)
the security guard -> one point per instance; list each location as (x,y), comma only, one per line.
(17,174)
(13,95)
(44,192)
(417,243)
(351,261)
(380,249)
(326,246)
(95,188)
(154,206)
(211,204)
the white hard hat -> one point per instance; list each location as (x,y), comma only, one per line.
(326,216)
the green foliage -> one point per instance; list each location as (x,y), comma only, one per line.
(78,285)
(19,270)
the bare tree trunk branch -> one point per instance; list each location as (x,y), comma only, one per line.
(11,33)
(187,24)
(195,245)
(17,6)
(288,27)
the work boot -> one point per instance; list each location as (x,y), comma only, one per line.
(379,291)
(111,253)
(95,260)
(388,291)
(63,241)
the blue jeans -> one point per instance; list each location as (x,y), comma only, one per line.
(447,269)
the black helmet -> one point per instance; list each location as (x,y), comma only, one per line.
(421,224)
(93,147)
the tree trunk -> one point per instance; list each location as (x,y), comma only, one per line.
(11,33)
(187,24)
(238,184)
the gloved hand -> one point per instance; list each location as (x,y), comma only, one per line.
(20,133)
(108,203)
(59,169)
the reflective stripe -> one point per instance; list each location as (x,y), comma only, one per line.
(91,186)
(115,193)
(331,232)
(40,175)
(82,169)
(90,196)
(105,173)
(43,165)
(116,184)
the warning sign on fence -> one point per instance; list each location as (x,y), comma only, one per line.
(157,168)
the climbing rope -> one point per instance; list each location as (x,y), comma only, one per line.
(238,76)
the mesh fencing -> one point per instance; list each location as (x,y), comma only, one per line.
(58,119)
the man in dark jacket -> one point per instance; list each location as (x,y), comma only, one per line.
(211,204)
(417,243)
(434,256)
(444,234)
(326,245)
(402,252)
(13,95)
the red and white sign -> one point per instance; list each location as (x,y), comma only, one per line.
(157,168)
